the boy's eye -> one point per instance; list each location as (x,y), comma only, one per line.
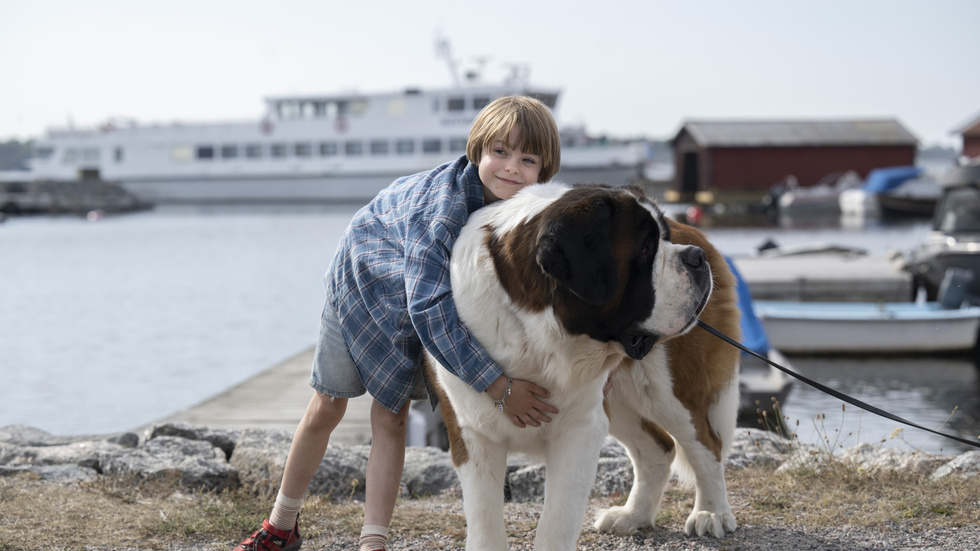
(530,160)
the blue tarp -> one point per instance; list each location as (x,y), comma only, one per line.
(753,334)
(886,179)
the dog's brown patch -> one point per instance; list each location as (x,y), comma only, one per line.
(659,435)
(700,368)
(457,448)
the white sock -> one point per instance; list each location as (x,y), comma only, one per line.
(284,512)
(374,537)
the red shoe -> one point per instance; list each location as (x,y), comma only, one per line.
(270,538)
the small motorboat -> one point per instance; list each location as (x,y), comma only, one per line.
(891,191)
(954,241)
(920,327)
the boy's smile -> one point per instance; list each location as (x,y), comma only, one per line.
(505,170)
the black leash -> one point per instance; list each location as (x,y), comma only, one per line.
(835,393)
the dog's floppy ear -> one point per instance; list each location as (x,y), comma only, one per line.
(574,248)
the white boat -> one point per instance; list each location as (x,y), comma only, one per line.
(338,147)
(867,327)
(821,197)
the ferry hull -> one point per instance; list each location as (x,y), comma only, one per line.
(325,188)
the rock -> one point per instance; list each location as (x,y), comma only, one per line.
(23,435)
(966,465)
(260,457)
(526,484)
(222,438)
(872,457)
(195,464)
(614,477)
(758,448)
(428,471)
(86,454)
(62,474)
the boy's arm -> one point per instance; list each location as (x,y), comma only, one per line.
(433,312)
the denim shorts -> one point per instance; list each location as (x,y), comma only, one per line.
(334,372)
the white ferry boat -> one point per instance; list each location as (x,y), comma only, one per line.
(339,147)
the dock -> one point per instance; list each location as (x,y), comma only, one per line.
(277,398)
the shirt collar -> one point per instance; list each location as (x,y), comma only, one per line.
(474,186)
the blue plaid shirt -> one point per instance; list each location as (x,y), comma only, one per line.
(390,283)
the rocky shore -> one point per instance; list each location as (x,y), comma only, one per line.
(213,459)
(204,459)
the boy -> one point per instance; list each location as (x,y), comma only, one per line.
(388,295)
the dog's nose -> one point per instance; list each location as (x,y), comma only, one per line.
(693,257)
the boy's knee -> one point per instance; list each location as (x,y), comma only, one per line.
(327,411)
(382,418)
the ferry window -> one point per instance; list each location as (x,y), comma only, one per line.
(278,150)
(456,104)
(118,154)
(431,145)
(229,151)
(379,147)
(90,154)
(353,148)
(457,144)
(303,150)
(205,152)
(253,151)
(182,153)
(479,102)
(358,106)
(43,152)
(405,146)
(69,157)
(328,149)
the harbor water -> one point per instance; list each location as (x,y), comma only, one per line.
(107,326)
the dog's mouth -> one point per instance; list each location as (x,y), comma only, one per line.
(637,344)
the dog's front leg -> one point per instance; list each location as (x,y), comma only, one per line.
(571,461)
(482,479)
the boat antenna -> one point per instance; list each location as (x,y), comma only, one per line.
(445,50)
(519,74)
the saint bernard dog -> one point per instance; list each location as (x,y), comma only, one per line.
(565,285)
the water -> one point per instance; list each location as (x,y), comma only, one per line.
(941,393)
(109,326)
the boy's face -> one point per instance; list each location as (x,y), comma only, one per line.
(506,170)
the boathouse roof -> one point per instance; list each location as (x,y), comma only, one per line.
(797,133)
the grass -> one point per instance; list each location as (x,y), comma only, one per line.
(125,513)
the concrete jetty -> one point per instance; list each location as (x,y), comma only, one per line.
(277,398)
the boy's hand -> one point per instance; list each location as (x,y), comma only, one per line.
(525,405)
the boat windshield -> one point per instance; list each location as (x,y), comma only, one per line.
(959,211)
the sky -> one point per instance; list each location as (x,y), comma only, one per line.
(625,68)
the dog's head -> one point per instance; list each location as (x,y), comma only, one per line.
(604,262)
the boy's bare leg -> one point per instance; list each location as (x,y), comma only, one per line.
(310,440)
(385,463)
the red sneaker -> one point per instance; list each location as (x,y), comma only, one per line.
(270,538)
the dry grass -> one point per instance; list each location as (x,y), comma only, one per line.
(126,514)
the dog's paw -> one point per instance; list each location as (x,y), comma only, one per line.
(706,523)
(620,520)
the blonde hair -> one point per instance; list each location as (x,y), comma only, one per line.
(538,131)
